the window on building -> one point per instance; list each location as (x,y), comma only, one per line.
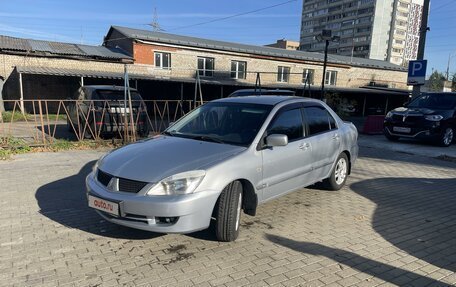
(308,76)
(206,66)
(238,69)
(283,74)
(331,78)
(162,60)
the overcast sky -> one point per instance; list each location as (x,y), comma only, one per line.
(87,22)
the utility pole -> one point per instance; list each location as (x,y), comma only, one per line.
(155,25)
(421,45)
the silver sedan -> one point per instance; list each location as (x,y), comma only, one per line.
(227,156)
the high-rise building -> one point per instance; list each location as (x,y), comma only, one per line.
(376,29)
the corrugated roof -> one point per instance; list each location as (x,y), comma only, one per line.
(259,50)
(58,48)
(11,43)
(68,72)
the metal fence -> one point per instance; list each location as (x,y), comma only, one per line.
(48,120)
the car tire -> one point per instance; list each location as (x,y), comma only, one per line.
(446,137)
(390,137)
(228,212)
(339,174)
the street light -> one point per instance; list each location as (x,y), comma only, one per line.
(326,35)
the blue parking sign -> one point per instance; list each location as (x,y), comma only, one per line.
(416,72)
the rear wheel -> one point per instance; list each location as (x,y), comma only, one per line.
(339,174)
(228,212)
(446,137)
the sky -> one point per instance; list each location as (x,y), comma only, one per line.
(83,21)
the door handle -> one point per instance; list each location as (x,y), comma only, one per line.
(336,136)
(304,146)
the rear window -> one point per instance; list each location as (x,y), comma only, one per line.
(110,95)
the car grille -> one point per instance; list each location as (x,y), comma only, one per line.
(410,119)
(133,186)
(125,185)
(103,177)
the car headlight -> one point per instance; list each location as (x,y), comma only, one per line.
(181,183)
(434,118)
(97,163)
(389,115)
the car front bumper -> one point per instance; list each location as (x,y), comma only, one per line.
(424,130)
(186,213)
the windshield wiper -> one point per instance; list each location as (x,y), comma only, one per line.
(166,133)
(207,138)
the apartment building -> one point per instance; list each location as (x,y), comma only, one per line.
(376,29)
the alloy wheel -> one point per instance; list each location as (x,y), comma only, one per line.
(341,171)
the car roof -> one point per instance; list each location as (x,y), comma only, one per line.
(264,100)
(262,91)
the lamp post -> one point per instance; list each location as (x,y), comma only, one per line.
(326,35)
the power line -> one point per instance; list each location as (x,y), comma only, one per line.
(232,16)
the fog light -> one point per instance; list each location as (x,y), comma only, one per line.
(166,220)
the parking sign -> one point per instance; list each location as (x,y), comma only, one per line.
(416,72)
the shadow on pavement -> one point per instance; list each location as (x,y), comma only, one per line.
(388,273)
(64,201)
(417,215)
(404,156)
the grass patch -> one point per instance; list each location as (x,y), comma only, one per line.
(20,117)
(16,117)
(10,146)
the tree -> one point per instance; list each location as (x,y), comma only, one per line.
(453,83)
(436,81)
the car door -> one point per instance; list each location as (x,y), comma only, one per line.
(285,167)
(323,135)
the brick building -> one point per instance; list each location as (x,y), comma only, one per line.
(175,56)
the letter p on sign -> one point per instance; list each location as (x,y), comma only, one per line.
(416,72)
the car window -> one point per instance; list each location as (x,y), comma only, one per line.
(434,101)
(319,120)
(288,123)
(231,123)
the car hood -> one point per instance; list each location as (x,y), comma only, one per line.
(157,158)
(421,112)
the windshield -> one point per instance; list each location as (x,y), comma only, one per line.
(434,101)
(231,123)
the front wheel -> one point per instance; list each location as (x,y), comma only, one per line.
(390,136)
(339,174)
(446,137)
(228,212)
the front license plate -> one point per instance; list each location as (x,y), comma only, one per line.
(104,205)
(401,129)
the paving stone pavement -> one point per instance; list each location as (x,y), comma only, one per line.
(394,224)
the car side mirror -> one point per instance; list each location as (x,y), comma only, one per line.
(276,140)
